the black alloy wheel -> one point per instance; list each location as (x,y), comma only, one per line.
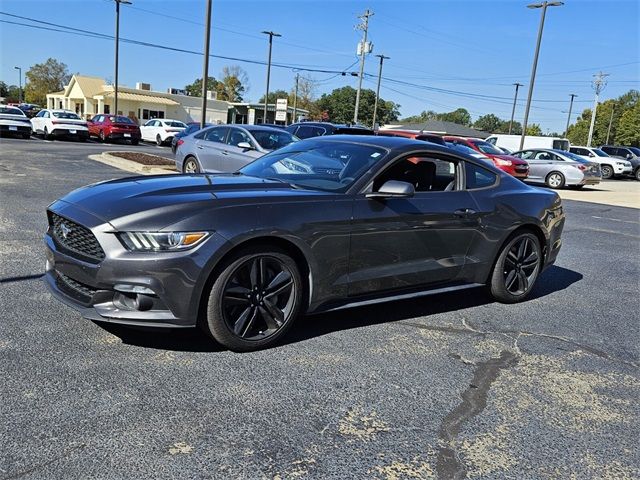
(255,299)
(607,171)
(517,268)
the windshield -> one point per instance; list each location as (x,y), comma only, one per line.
(11,111)
(120,119)
(600,153)
(325,166)
(486,147)
(272,140)
(635,150)
(68,115)
(175,124)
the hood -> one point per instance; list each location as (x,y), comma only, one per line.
(158,201)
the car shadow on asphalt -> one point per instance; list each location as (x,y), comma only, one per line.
(553,280)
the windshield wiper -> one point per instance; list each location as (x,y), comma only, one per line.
(291,184)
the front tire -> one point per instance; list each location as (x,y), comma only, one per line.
(516,269)
(607,171)
(254,300)
(190,166)
(636,174)
(159,141)
(102,137)
(555,180)
(45,134)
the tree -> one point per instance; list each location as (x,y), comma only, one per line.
(534,129)
(460,116)
(488,123)
(11,93)
(195,89)
(233,85)
(423,117)
(273,96)
(629,127)
(42,78)
(340,105)
(307,87)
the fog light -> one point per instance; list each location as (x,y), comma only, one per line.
(133,301)
(123,287)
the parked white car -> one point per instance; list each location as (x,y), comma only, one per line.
(59,123)
(13,121)
(610,166)
(161,130)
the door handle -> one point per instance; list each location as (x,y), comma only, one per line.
(200,147)
(224,152)
(464,212)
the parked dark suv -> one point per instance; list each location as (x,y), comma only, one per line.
(628,153)
(317,129)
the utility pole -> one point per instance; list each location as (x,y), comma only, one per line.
(205,64)
(566,130)
(544,7)
(20,82)
(364,26)
(266,95)
(613,107)
(598,84)
(375,105)
(513,110)
(295,99)
(115,86)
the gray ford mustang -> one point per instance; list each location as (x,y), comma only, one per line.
(321,224)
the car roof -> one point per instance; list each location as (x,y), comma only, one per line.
(254,128)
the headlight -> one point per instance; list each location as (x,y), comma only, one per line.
(503,163)
(160,241)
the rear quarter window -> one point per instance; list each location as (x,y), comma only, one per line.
(477,177)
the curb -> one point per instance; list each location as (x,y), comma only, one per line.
(131,166)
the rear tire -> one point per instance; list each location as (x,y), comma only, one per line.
(637,174)
(101,136)
(26,136)
(555,180)
(517,268)
(45,134)
(159,141)
(135,142)
(607,171)
(254,299)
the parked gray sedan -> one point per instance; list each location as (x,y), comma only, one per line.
(227,148)
(559,168)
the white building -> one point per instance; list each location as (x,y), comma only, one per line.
(88,96)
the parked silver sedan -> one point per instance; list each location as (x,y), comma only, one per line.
(559,168)
(227,148)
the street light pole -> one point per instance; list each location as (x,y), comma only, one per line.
(513,110)
(375,105)
(598,85)
(205,64)
(115,86)
(295,99)
(20,83)
(544,6)
(566,130)
(266,95)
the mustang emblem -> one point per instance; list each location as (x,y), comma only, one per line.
(65,230)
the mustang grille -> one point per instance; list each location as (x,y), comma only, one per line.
(76,239)
(74,289)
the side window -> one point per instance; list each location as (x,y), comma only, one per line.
(478,177)
(543,156)
(46,114)
(237,136)
(556,158)
(308,131)
(425,173)
(526,155)
(216,134)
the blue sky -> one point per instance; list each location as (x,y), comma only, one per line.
(473,49)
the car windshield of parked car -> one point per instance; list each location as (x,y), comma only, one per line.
(120,119)
(486,147)
(67,115)
(635,150)
(176,124)
(325,166)
(272,140)
(11,111)
(600,153)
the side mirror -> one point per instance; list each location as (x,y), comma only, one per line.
(629,156)
(394,189)
(245,146)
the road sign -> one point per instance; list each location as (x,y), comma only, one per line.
(281,115)
(281,104)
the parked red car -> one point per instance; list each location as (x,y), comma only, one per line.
(114,127)
(508,163)
(427,137)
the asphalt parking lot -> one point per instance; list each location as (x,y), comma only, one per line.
(449,386)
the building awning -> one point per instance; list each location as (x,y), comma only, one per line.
(136,97)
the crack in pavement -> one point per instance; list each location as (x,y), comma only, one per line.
(474,400)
